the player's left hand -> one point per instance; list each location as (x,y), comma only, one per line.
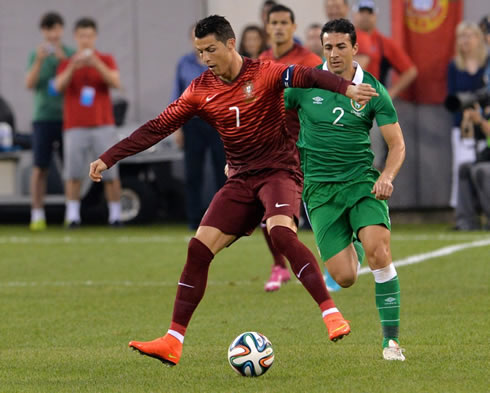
(96,169)
(361,93)
(383,188)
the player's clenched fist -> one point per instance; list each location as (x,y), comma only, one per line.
(383,188)
(361,93)
(96,169)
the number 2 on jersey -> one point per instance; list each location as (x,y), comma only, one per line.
(338,109)
(235,108)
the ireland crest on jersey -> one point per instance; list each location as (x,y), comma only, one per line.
(356,106)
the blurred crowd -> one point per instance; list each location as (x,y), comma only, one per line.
(73,111)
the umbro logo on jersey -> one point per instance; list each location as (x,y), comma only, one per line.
(318,100)
(209,98)
(281,204)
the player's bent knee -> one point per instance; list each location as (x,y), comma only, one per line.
(281,236)
(345,280)
(378,256)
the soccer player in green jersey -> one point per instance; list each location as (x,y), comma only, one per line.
(344,195)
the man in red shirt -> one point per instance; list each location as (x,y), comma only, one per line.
(281,27)
(383,53)
(243,100)
(88,120)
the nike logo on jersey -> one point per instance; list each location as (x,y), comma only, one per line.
(281,204)
(209,98)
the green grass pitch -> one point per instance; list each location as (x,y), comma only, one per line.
(71,300)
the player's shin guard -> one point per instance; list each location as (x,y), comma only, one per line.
(278,257)
(303,263)
(388,302)
(192,284)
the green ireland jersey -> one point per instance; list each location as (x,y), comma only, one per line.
(334,141)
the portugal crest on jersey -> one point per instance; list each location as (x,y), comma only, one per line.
(248,91)
(356,106)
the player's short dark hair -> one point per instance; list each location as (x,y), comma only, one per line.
(85,22)
(51,19)
(340,26)
(280,8)
(217,25)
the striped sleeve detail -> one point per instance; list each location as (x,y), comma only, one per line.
(153,131)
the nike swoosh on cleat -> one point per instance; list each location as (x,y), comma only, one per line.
(281,204)
(172,356)
(340,327)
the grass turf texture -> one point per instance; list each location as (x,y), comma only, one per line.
(71,301)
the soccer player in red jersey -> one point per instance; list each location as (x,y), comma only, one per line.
(242,99)
(281,27)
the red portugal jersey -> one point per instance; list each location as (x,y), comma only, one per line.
(248,113)
(297,55)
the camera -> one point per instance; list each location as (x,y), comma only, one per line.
(49,48)
(461,101)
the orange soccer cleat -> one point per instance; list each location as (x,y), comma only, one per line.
(167,349)
(337,326)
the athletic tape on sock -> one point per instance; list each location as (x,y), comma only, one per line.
(385,274)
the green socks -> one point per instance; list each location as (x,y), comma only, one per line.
(388,305)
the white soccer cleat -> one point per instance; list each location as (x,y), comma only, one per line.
(393,351)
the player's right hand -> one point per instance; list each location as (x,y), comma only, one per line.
(96,169)
(361,93)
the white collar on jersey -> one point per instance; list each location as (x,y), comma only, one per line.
(358,76)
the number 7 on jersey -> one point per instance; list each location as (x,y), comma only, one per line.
(235,108)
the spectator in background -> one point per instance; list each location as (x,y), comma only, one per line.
(281,27)
(382,52)
(252,42)
(264,11)
(379,54)
(465,74)
(474,177)
(313,41)
(88,121)
(196,138)
(48,113)
(336,9)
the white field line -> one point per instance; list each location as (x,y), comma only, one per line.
(67,239)
(418,258)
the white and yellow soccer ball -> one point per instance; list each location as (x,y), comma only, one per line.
(251,354)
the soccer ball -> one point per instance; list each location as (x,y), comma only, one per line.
(251,354)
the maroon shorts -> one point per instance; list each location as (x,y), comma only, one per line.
(245,201)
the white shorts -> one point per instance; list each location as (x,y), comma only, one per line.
(81,146)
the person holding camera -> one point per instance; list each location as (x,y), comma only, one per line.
(465,74)
(48,114)
(474,178)
(88,122)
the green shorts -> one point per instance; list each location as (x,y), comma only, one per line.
(337,211)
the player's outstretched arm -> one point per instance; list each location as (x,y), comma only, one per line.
(392,134)
(307,77)
(96,169)
(152,132)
